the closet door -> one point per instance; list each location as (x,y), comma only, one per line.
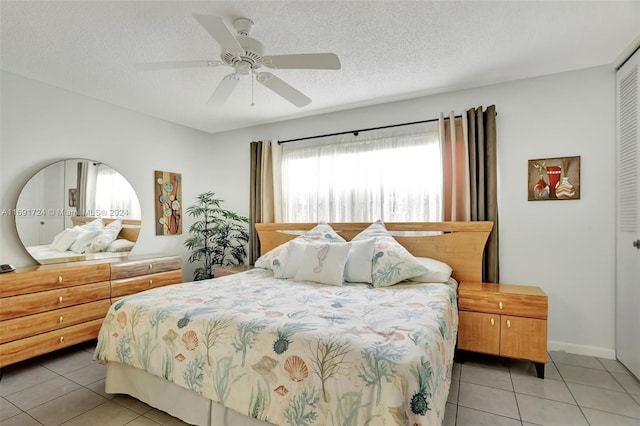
(628,215)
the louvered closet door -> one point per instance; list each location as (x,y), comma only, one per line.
(628,212)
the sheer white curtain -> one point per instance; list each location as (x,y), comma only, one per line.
(394,175)
(114,193)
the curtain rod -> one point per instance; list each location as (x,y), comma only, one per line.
(355,132)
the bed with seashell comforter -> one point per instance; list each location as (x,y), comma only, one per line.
(349,324)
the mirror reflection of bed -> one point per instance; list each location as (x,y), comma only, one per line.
(75,210)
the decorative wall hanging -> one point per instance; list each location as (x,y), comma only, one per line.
(554,179)
(168,203)
(73,200)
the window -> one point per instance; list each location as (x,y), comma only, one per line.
(394,175)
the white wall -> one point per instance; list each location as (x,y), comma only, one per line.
(42,124)
(565,247)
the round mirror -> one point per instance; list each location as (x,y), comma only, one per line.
(76,210)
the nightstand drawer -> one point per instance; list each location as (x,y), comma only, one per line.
(221,271)
(503,299)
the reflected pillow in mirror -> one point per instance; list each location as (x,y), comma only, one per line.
(83,241)
(94,225)
(120,245)
(63,240)
(106,237)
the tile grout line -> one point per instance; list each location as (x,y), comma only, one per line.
(570,392)
(515,396)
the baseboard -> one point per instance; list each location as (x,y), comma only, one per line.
(581,349)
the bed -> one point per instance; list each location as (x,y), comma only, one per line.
(62,249)
(257,348)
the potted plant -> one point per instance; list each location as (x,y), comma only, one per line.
(218,236)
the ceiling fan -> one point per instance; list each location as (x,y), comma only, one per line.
(245,55)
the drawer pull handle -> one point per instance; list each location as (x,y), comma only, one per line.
(500,305)
(61,319)
(492,322)
(60,299)
(150,282)
(59,278)
(508,324)
(61,339)
(151,266)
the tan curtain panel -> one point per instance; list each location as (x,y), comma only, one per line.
(483,175)
(264,192)
(455,168)
(255,197)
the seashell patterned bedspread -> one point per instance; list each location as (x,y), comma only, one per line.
(295,353)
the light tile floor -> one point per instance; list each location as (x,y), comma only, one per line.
(67,388)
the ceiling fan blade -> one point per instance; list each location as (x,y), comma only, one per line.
(152,66)
(219,31)
(318,61)
(283,89)
(224,89)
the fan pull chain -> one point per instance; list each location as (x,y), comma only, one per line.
(252,79)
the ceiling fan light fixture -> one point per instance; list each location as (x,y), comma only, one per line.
(243,67)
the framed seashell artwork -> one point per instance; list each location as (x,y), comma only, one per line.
(168,203)
(554,179)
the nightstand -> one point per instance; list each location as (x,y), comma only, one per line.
(221,271)
(505,320)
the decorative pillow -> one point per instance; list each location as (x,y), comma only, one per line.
(120,245)
(276,259)
(359,261)
(63,240)
(324,263)
(94,225)
(84,240)
(392,263)
(437,272)
(376,229)
(106,237)
(294,257)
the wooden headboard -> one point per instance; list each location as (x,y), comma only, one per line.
(130,227)
(458,244)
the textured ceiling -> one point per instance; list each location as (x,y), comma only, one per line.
(389,50)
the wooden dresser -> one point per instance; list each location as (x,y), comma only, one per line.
(503,319)
(48,307)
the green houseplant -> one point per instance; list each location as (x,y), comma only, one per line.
(218,236)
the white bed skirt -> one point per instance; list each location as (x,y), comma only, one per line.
(170,398)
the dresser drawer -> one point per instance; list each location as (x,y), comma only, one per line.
(124,287)
(30,325)
(33,279)
(504,303)
(29,347)
(33,303)
(136,268)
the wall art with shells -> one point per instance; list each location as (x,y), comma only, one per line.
(554,179)
(168,203)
